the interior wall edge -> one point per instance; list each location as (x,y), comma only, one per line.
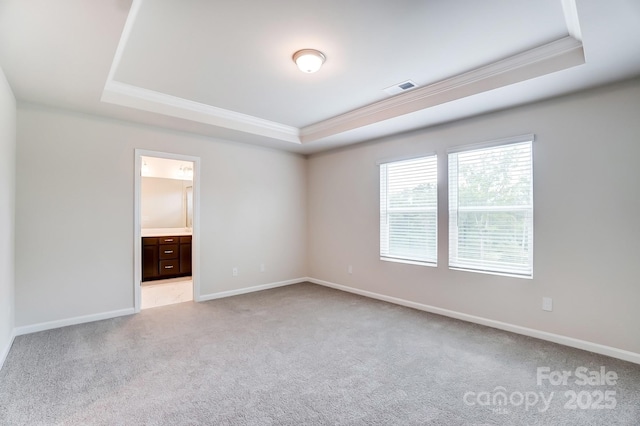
(8,174)
(7,348)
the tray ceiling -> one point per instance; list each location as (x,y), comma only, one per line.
(224,69)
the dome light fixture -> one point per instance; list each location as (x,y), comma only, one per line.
(309,60)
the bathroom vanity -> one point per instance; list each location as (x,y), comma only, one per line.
(165,254)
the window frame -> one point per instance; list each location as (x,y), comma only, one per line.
(485,266)
(384,211)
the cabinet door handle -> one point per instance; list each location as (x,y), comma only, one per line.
(168,267)
(168,240)
(168,251)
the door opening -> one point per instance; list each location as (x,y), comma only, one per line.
(166,246)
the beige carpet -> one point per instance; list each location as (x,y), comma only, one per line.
(304,354)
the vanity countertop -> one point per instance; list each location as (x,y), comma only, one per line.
(165,232)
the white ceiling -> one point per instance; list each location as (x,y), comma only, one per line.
(224,68)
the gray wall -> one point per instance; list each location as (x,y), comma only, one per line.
(7,209)
(74,231)
(586,213)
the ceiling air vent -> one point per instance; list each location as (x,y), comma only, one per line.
(400,87)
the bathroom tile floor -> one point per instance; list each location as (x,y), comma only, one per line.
(166,292)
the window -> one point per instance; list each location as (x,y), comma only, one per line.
(491,209)
(408,210)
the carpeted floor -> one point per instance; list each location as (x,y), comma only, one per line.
(305,354)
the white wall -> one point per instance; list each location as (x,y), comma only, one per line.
(7,205)
(163,202)
(74,230)
(587,219)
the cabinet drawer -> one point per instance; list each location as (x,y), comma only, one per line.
(149,241)
(169,267)
(169,240)
(168,251)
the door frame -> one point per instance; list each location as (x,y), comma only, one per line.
(137,222)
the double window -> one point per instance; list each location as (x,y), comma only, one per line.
(490,209)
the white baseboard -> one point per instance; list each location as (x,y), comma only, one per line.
(34,328)
(4,352)
(230,293)
(543,335)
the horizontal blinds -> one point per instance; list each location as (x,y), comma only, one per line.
(408,210)
(491,209)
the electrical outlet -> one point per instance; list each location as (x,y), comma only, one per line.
(235,272)
(547,304)
(262,268)
(350,269)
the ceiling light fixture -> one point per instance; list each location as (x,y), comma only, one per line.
(309,60)
(186,172)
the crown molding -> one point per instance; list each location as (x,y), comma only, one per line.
(560,54)
(124,38)
(132,96)
(570,10)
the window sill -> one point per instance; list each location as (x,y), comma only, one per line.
(409,262)
(502,274)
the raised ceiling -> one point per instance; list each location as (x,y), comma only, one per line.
(224,68)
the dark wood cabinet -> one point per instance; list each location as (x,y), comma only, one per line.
(150,260)
(185,257)
(168,251)
(166,257)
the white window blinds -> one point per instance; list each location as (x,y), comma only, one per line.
(491,209)
(408,210)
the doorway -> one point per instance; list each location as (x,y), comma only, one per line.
(166,221)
